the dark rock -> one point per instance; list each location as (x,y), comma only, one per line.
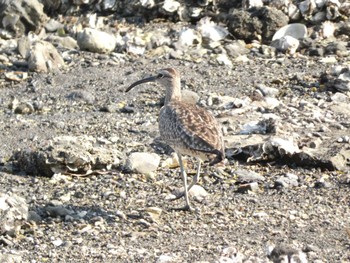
(242,25)
(256,23)
(337,48)
(22,16)
(252,187)
(272,19)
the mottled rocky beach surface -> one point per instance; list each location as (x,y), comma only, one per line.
(84,176)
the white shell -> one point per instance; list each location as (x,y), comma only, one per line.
(171,6)
(286,44)
(252,3)
(189,37)
(296,30)
(147,3)
(328,29)
(211,30)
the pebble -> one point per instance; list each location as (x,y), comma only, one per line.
(13,211)
(268,91)
(247,176)
(34,216)
(287,44)
(10,258)
(165,259)
(283,253)
(57,242)
(44,57)
(287,180)
(198,193)
(236,49)
(142,162)
(57,211)
(53,25)
(339,97)
(96,41)
(82,95)
(24,108)
(250,187)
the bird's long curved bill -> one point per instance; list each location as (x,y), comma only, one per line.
(150,79)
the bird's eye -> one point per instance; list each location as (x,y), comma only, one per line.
(160,76)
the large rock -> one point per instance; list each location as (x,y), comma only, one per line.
(256,23)
(22,16)
(96,41)
(266,148)
(68,155)
(13,211)
(44,57)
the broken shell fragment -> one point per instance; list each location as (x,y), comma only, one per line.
(295,30)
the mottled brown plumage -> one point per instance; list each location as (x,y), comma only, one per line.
(187,128)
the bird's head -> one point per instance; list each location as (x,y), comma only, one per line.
(168,78)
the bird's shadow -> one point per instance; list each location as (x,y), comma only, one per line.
(70,212)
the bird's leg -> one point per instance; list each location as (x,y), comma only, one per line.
(184,178)
(194,181)
(196,177)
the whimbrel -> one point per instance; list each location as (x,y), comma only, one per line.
(187,128)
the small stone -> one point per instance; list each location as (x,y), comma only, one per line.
(268,91)
(223,59)
(142,162)
(171,162)
(189,96)
(154,211)
(328,59)
(236,49)
(56,211)
(339,97)
(230,255)
(287,44)
(10,258)
(165,259)
(287,180)
(322,184)
(58,242)
(246,176)
(24,108)
(33,216)
(65,198)
(96,41)
(82,95)
(198,193)
(53,25)
(144,223)
(44,57)
(250,187)
(286,253)
(13,209)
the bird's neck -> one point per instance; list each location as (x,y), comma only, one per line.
(173,93)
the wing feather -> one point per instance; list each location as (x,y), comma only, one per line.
(191,126)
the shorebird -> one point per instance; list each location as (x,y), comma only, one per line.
(187,128)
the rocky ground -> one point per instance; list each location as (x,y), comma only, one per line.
(84,176)
(120,216)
